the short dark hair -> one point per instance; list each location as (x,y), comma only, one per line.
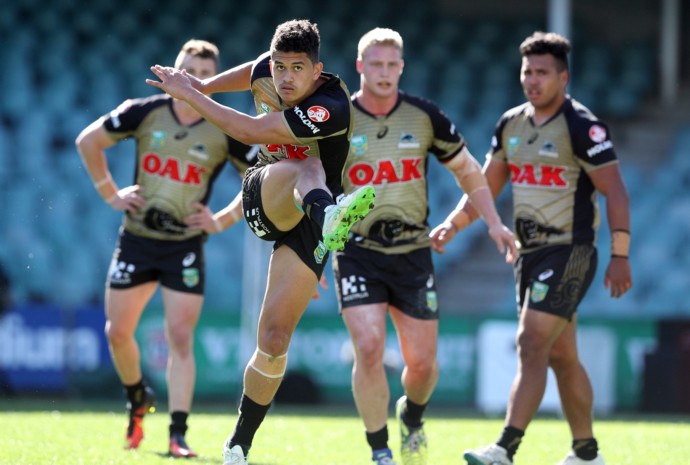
(297,35)
(542,43)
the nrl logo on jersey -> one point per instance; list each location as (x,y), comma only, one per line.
(158,139)
(513,144)
(359,145)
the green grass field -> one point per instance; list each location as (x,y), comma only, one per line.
(64,432)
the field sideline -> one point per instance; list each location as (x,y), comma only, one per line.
(61,432)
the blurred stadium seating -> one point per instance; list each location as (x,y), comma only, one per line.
(66,64)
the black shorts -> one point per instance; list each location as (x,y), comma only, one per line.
(555,278)
(177,265)
(406,281)
(305,239)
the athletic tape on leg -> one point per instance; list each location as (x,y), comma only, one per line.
(269,366)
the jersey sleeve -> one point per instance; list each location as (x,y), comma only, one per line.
(496,151)
(323,114)
(126,118)
(242,156)
(447,140)
(592,143)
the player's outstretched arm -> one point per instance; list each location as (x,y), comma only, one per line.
(235,79)
(263,129)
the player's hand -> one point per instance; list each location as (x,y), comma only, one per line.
(618,277)
(128,199)
(173,81)
(505,241)
(323,283)
(203,220)
(441,235)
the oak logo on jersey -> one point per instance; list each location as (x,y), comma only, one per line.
(382,171)
(359,145)
(172,168)
(538,175)
(298,152)
(318,113)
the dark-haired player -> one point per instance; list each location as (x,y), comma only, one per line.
(557,156)
(304,125)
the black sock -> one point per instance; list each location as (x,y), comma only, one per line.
(178,422)
(510,440)
(314,204)
(135,394)
(251,416)
(378,439)
(412,414)
(586,449)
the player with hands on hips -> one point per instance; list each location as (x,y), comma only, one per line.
(165,225)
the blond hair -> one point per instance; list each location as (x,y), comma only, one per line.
(198,48)
(379,36)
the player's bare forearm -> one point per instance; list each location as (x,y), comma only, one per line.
(232,80)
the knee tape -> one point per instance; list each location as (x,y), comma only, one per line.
(267,365)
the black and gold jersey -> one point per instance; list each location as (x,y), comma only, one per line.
(321,123)
(554,200)
(391,153)
(176,163)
